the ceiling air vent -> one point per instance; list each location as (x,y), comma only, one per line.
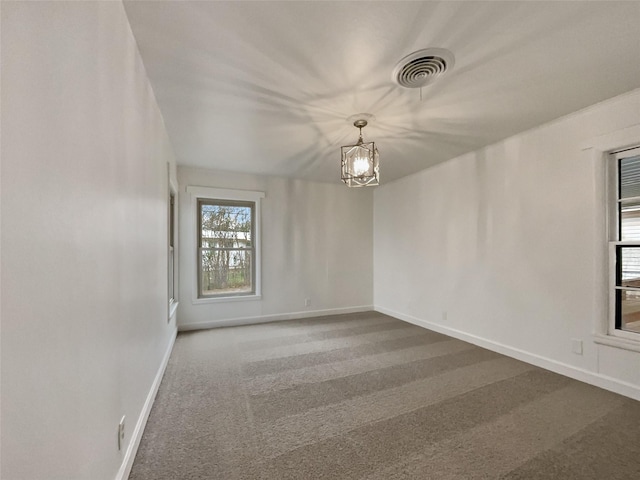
(423,67)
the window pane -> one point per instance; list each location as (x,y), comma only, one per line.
(171,267)
(226,272)
(226,247)
(630,177)
(227,226)
(171,274)
(630,220)
(629,307)
(628,264)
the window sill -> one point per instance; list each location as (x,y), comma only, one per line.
(617,342)
(238,298)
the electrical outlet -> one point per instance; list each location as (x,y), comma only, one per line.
(576,346)
(444,315)
(121,433)
(307,302)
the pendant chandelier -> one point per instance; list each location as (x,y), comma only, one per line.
(360,162)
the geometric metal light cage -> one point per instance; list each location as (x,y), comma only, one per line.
(360,162)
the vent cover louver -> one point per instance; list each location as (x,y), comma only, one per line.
(423,67)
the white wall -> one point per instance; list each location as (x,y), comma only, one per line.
(501,247)
(316,243)
(84,239)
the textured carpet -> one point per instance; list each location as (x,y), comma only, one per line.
(366,396)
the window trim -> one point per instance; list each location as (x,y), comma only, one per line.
(211,193)
(595,152)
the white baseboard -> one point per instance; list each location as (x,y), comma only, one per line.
(233,322)
(132,449)
(592,378)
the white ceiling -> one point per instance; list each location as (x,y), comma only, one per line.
(267,87)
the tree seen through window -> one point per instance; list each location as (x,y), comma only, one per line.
(226,247)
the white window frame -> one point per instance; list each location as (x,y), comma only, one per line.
(613,225)
(596,153)
(209,193)
(172,251)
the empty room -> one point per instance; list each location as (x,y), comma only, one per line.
(365,240)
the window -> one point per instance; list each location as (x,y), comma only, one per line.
(224,239)
(171,233)
(624,242)
(172,281)
(226,248)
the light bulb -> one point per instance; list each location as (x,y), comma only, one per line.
(360,166)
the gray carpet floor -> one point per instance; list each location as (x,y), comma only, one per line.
(366,396)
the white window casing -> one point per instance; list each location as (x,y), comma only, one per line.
(208,193)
